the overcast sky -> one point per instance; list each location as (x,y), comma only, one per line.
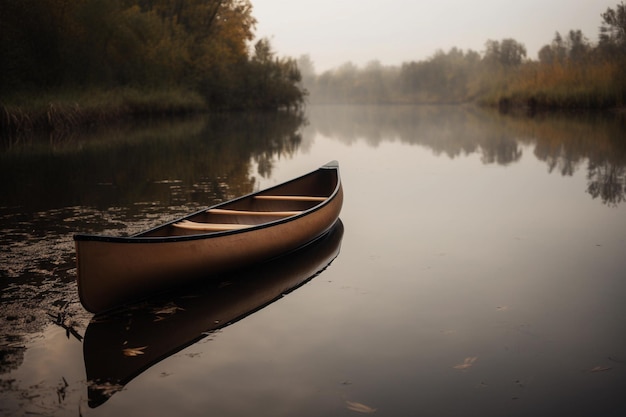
(333,32)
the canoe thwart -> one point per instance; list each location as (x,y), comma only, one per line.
(254,213)
(290,197)
(115,271)
(209,227)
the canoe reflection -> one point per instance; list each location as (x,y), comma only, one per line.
(118,347)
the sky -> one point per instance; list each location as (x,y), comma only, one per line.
(333,32)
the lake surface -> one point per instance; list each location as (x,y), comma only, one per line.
(479,269)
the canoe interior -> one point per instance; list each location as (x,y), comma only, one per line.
(321,183)
(114,271)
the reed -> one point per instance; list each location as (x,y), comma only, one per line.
(598,85)
(60,112)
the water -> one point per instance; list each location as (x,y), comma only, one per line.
(479,269)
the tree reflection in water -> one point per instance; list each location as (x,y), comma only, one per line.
(127,179)
(565,142)
(607,181)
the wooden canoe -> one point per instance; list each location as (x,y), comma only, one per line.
(114,271)
(120,346)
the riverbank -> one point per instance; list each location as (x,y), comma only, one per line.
(575,98)
(588,86)
(62,112)
(59,114)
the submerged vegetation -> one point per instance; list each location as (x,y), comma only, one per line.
(92,60)
(570,72)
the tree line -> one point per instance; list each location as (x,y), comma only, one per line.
(196,45)
(570,71)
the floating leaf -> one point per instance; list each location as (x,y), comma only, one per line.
(168,309)
(134,351)
(467,363)
(359,408)
(107,389)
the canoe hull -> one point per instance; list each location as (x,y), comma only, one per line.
(115,272)
(167,325)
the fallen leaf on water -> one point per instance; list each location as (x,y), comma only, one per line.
(359,408)
(107,388)
(600,369)
(134,351)
(467,363)
(170,308)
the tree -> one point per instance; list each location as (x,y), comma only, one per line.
(307,69)
(508,53)
(578,46)
(554,53)
(263,53)
(266,81)
(574,49)
(191,44)
(613,28)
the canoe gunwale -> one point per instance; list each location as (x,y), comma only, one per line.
(216,234)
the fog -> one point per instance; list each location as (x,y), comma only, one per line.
(334,32)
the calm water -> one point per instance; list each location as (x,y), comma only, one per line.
(480,269)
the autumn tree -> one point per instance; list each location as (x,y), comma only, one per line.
(190,44)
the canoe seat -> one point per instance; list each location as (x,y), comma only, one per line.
(290,197)
(209,227)
(254,213)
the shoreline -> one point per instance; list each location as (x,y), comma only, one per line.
(62,113)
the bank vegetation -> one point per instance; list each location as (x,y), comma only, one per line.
(569,72)
(75,62)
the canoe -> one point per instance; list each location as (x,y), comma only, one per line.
(115,271)
(121,345)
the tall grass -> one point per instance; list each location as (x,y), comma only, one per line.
(597,85)
(58,112)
